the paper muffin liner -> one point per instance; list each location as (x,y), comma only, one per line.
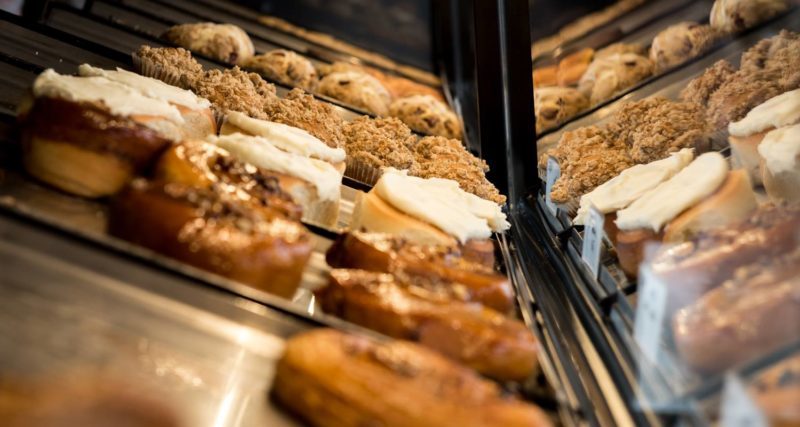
(361,171)
(149,68)
(570,207)
(219,117)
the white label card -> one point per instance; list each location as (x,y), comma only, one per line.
(738,409)
(593,240)
(650,307)
(553,173)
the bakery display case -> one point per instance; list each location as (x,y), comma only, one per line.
(215,214)
(661,255)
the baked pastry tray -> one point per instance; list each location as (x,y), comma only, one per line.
(82,219)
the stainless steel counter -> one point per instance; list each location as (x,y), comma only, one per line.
(208,355)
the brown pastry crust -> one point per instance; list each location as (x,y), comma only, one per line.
(740,93)
(380,142)
(473,279)
(780,54)
(326,375)
(572,66)
(545,76)
(301,110)
(214,231)
(479,337)
(751,315)
(630,246)
(438,157)
(85,150)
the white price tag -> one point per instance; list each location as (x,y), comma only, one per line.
(738,409)
(593,240)
(553,173)
(650,307)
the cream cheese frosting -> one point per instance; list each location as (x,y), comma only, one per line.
(261,153)
(442,203)
(153,88)
(631,184)
(780,149)
(667,200)
(782,110)
(287,138)
(120,99)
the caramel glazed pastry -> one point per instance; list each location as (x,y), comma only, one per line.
(90,135)
(212,211)
(328,378)
(224,42)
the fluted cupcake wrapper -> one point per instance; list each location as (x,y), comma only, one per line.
(149,68)
(361,171)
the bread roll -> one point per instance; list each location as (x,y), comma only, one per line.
(224,42)
(215,231)
(437,265)
(331,379)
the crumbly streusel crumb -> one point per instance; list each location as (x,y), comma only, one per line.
(588,157)
(379,142)
(440,157)
(301,110)
(175,60)
(236,90)
(654,127)
(701,88)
